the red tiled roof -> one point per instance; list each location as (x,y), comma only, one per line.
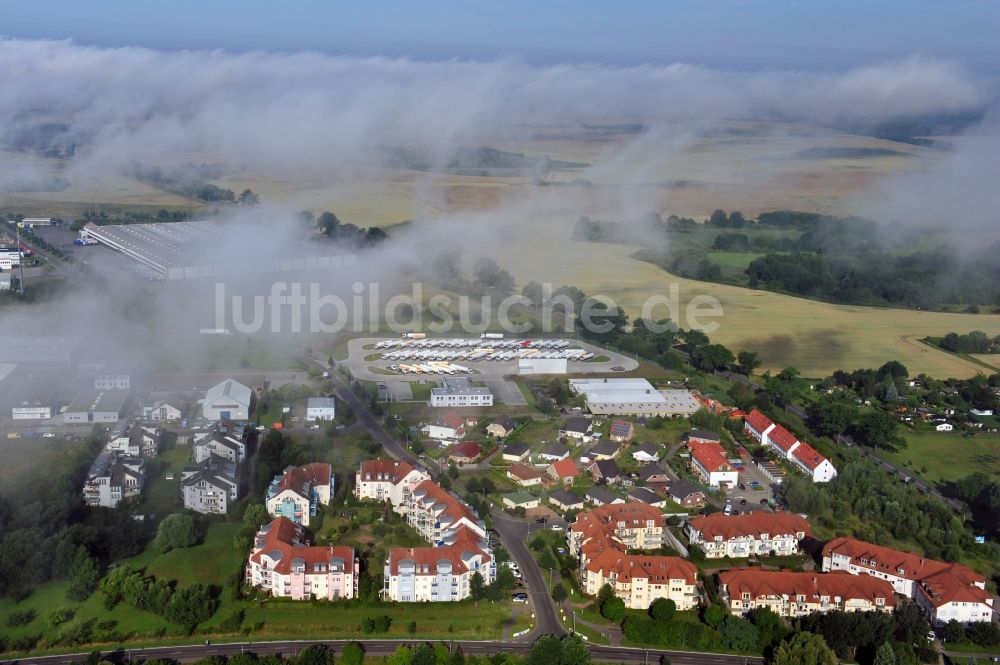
(656,569)
(781,437)
(597,527)
(808,455)
(524,472)
(300,479)
(453,420)
(752,524)
(429,492)
(431,556)
(761,583)
(384,469)
(758,421)
(941,582)
(468,450)
(710,455)
(565,468)
(282,540)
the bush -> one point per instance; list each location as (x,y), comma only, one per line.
(21,618)
(60,616)
(662,609)
(379,624)
(613,609)
(175,532)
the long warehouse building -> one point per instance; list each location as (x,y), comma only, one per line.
(633,397)
(183,250)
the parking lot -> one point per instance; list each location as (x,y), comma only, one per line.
(493,373)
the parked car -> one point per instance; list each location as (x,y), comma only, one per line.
(520,597)
(557,527)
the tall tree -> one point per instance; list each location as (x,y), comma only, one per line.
(747,361)
(804,649)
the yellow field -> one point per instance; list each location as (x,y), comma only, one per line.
(526,227)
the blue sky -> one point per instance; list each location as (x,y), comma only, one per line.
(728,33)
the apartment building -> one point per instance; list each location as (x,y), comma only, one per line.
(113,478)
(639,579)
(219,444)
(709,462)
(209,487)
(751,534)
(945,591)
(298,492)
(794,594)
(388,480)
(437,514)
(285,565)
(438,574)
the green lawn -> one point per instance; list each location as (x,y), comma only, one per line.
(162,496)
(948,456)
(421,391)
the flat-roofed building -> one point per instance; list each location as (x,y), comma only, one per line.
(321,408)
(458,392)
(633,396)
(95,406)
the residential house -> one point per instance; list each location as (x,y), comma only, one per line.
(163,411)
(516,452)
(227,400)
(686,494)
(524,475)
(807,459)
(449,427)
(621,431)
(945,591)
(577,428)
(524,500)
(465,453)
(701,436)
(942,425)
(600,496)
(113,478)
(605,471)
(646,495)
(501,427)
(709,462)
(794,594)
(321,408)
(652,474)
(210,487)
(387,480)
(299,490)
(219,444)
(565,501)
(553,453)
(131,440)
(605,450)
(751,534)
(564,471)
(283,564)
(647,453)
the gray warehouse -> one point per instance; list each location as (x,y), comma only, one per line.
(95,406)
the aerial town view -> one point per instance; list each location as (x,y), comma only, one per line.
(500,333)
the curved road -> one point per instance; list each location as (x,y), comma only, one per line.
(386,647)
(511,531)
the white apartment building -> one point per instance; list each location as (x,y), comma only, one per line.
(751,534)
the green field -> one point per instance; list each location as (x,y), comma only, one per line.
(948,456)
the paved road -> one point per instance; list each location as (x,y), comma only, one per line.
(512,532)
(386,647)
